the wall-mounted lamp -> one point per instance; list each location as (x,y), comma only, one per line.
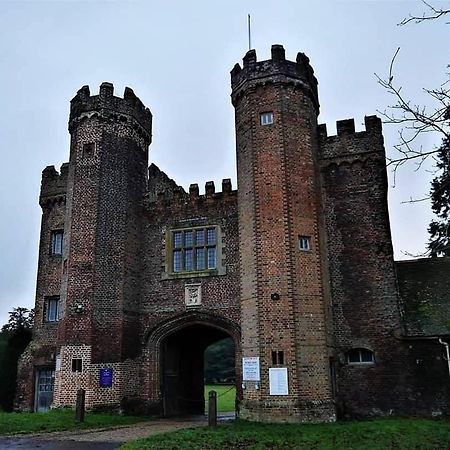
(275,296)
(79,309)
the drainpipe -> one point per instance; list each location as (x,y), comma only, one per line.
(448,353)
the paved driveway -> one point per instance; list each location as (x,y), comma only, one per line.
(101,439)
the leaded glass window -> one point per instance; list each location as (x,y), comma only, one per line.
(194,249)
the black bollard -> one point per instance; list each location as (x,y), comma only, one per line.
(212,409)
(79,409)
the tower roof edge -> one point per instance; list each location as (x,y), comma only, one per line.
(276,69)
(105,101)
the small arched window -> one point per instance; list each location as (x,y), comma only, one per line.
(359,356)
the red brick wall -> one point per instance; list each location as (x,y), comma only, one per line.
(278,202)
(163,296)
(363,285)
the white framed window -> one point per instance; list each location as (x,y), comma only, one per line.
(56,247)
(194,249)
(267,118)
(304,243)
(360,356)
(51,309)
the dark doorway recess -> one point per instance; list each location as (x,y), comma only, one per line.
(183,368)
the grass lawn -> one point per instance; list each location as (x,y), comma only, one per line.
(381,434)
(58,420)
(226,396)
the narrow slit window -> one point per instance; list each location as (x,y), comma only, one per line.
(57,242)
(51,310)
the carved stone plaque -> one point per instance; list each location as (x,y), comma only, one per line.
(193,294)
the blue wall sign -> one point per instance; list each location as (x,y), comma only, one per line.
(106,377)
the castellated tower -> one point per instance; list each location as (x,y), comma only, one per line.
(281,239)
(107,178)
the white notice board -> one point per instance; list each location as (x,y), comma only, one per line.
(250,368)
(278,381)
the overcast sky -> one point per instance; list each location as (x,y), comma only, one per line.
(177,56)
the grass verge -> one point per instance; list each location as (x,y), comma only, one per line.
(226,397)
(381,434)
(59,420)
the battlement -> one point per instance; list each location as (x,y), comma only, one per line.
(53,185)
(181,198)
(276,69)
(349,142)
(106,104)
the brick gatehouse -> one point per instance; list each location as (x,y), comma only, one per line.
(137,277)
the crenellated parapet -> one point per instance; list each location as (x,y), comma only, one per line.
(53,186)
(275,70)
(108,107)
(178,198)
(349,145)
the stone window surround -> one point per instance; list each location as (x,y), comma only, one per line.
(168,272)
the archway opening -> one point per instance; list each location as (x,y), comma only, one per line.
(183,367)
(220,374)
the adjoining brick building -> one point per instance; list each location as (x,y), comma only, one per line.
(137,277)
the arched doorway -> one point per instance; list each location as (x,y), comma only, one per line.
(180,344)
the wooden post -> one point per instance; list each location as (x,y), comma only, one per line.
(212,408)
(79,409)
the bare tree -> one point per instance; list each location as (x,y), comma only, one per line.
(416,120)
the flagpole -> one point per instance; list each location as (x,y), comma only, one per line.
(249,34)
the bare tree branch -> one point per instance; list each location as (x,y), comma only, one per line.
(416,200)
(416,120)
(433,13)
